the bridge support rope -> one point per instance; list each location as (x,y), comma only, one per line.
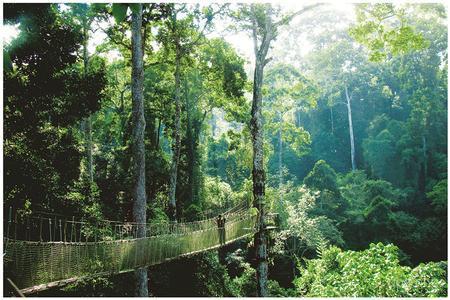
(36,266)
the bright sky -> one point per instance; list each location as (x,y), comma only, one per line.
(244,45)
(9,32)
(241,41)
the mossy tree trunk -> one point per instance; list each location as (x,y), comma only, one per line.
(138,149)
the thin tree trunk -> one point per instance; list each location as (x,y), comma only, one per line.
(332,120)
(89,149)
(158,133)
(197,174)
(138,148)
(424,169)
(190,147)
(299,118)
(122,116)
(213,124)
(424,150)
(280,161)
(350,128)
(87,121)
(176,142)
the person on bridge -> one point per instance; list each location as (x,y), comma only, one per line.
(221,229)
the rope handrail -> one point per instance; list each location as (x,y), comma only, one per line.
(32,226)
(232,210)
(61,255)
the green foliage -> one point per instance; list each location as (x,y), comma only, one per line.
(44,97)
(119,11)
(382,147)
(94,287)
(438,197)
(302,230)
(196,276)
(245,285)
(217,194)
(398,89)
(193,213)
(229,158)
(211,278)
(7,64)
(374,272)
(322,177)
(378,32)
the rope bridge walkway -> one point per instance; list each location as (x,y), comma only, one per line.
(66,250)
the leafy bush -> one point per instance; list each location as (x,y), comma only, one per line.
(245,285)
(372,272)
(193,212)
(217,194)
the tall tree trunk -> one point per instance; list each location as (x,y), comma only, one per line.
(89,149)
(123,118)
(298,118)
(424,151)
(424,168)
(138,149)
(176,142)
(350,129)
(87,121)
(190,155)
(258,173)
(259,181)
(280,160)
(261,47)
(196,172)
(332,120)
(157,134)
(213,124)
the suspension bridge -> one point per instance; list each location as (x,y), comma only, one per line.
(42,252)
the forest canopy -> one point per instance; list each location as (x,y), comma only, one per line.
(327,124)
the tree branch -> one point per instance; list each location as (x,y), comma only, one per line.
(255,36)
(289,18)
(207,23)
(116,41)
(267,60)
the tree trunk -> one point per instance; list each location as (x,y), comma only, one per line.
(196,172)
(425,159)
(261,47)
(280,160)
(424,168)
(138,149)
(350,129)
(213,124)
(158,133)
(332,120)
(89,149)
(87,121)
(259,182)
(256,126)
(176,141)
(298,117)
(190,154)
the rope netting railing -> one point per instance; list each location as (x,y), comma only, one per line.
(36,256)
(51,227)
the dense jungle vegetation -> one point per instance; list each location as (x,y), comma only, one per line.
(154,113)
